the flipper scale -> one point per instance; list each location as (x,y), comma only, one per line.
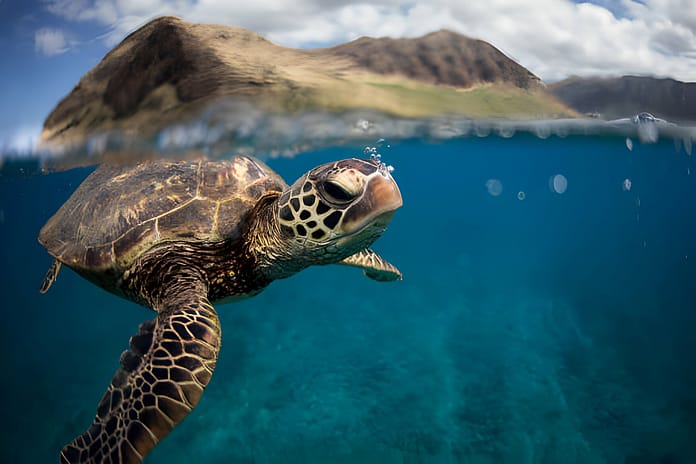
(373,265)
(162,378)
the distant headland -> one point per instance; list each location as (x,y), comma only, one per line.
(619,97)
(170,69)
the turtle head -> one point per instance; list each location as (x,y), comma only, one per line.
(337,209)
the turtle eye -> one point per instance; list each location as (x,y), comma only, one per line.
(336,192)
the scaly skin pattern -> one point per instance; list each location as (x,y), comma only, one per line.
(172,357)
(162,378)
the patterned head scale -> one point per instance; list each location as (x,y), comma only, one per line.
(347,200)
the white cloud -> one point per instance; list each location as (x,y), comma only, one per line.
(553,38)
(50,41)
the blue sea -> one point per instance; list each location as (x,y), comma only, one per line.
(547,315)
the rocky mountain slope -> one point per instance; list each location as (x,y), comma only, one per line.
(169,69)
(442,58)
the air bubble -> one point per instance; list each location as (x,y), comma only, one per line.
(494,187)
(363,125)
(505,130)
(543,131)
(521,195)
(626,185)
(647,132)
(482,130)
(558,183)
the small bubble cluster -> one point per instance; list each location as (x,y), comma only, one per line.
(374,155)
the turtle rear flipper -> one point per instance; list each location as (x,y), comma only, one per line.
(373,265)
(161,379)
(50,277)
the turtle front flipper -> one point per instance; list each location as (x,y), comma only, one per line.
(161,379)
(373,265)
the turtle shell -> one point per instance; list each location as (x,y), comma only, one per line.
(119,212)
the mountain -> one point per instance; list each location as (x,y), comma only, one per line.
(620,97)
(169,69)
(441,58)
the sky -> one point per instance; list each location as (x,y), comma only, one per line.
(47,45)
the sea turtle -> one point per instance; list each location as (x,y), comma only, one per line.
(177,236)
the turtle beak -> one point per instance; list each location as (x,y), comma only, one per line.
(383,193)
(380,199)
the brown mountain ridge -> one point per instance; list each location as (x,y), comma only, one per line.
(442,58)
(169,69)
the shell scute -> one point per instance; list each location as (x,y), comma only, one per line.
(193,220)
(239,173)
(258,189)
(94,256)
(130,242)
(230,216)
(119,212)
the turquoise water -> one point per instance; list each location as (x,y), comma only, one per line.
(556,328)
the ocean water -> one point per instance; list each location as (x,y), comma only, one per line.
(547,315)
